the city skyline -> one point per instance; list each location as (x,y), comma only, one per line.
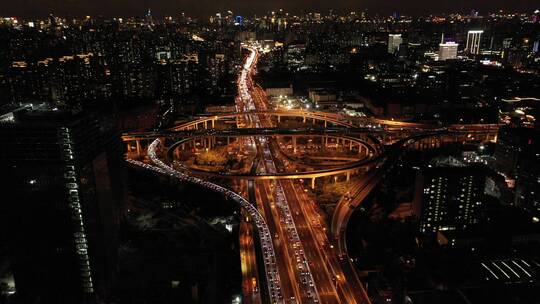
(205,8)
(318,158)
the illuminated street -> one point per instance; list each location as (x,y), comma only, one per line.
(305,258)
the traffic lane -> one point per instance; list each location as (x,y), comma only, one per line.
(343,287)
(249,264)
(295,273)
(281,258)
(321,274)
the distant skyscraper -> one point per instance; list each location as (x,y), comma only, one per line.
(394,40)
(448,198)
(473,42)
(238,20)
(448,50)
(148,16)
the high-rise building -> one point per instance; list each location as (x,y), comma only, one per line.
(448,198)
(295,56)
(59,212)
(517,156)
(474,39)
(394,40)
(448,50)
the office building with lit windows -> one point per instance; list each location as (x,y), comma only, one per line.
(394,40)
(448,50)
(448,198)
(474,39)
(59,211)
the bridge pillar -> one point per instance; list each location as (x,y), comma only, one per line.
(304,119)
(279,118)
(350,144)
(313,183)
(138,143)
(206,124)
(294,144)
(348,176)
(196,126)
(213,123)
(313,121)
(325,123)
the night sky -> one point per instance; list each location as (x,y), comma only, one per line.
(203,8)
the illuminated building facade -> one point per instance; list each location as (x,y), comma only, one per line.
(448,50)
(474,39)
(394,40)
(449,198)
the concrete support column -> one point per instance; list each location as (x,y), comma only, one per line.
(206,124)
(294,144)
(304,119)
(279,118)
(213,123)
(325,123)
(313,121)
(313,183)
(350,144)
(138,143)
(348,176)
(162,141)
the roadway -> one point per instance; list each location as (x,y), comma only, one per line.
(316,268)
(248,259)
(300,262)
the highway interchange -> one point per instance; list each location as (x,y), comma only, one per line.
(303,261)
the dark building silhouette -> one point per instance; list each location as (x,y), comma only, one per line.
(59,214)
(517,156)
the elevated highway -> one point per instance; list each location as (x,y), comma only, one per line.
(286,265)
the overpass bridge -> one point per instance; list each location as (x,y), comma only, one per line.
(379,141)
